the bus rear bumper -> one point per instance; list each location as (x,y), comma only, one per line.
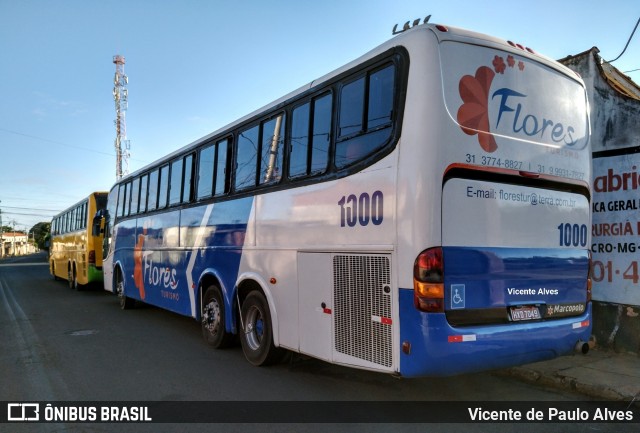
(435,348)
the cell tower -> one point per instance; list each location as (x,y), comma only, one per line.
(120,94)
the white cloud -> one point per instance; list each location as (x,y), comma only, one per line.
(48,105)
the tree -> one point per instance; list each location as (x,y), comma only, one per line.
(41,233)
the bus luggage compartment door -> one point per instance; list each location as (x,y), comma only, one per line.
(346,308)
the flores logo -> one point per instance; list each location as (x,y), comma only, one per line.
(474,114)
(145,271)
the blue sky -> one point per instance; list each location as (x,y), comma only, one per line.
(196,65)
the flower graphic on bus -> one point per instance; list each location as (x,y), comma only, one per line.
(138,273)
(498,64)
(473,114)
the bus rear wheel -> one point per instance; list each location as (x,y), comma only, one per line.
(257,336)
(72,278)
(213,319)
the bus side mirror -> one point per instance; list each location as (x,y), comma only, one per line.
(97,227)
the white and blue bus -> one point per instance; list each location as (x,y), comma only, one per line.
(423,210)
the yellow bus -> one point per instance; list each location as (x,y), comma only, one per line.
(75,252)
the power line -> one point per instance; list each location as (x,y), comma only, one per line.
(55,142)
(31,208)
(72,146)
(28,214)
(628,41)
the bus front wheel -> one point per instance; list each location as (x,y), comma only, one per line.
(53,271)
(213,319)
(257,336)
(125,302)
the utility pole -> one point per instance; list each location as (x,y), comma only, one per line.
(13,238)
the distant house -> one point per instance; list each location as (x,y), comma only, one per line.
(14,244)
(615,126)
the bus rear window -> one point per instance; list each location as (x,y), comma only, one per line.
(498,92)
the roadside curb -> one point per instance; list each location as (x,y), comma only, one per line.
(600,374)
(566,383)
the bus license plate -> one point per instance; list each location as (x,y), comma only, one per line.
(525,313)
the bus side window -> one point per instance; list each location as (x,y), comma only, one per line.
(351,108)
(206,167)
(152,203)
(135,195)
(380,106)
(222,170)
(143,194)
(85,210)
(164,187)
(322,108)
(298,154)
(310,137)
(272,149)
(366,110)
(187,185)
(127,202)
(122,199)
(246,158)
(175,183)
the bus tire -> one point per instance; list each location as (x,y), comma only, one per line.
(257,336)
(126,303)
(53,271)
(213,319)
(71,277)
(73,280)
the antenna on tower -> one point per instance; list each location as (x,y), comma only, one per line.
(120,95)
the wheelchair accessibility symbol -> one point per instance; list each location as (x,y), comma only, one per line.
(457,296)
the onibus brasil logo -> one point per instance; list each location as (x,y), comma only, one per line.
(474,115)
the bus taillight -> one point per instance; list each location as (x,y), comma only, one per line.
(92,257)
(428,281)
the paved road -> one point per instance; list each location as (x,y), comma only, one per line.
(58,344)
